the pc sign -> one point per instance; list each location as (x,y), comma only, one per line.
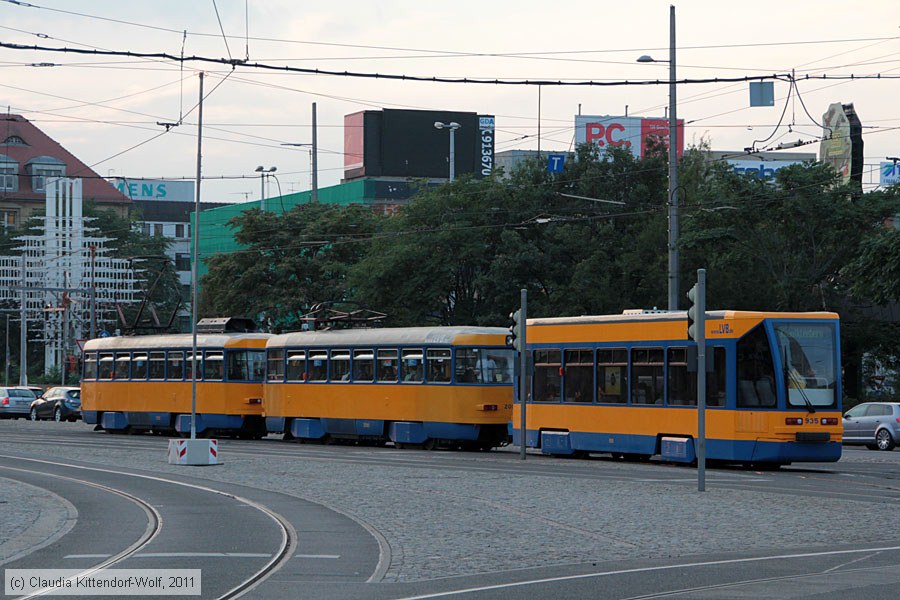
(631,133)
(890,173)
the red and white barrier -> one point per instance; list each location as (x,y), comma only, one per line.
(193,452)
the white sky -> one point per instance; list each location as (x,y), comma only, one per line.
(99,107)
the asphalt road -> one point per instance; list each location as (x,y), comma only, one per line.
(383,523)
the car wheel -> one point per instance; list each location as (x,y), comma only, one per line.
(33,414)
(884,440)
(57,415)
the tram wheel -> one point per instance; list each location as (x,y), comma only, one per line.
(429,444)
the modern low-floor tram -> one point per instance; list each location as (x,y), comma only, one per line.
(623,384)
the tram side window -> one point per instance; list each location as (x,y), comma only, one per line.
(245,365)
(122,366)
(107,362)
(90,366)
(296,365)
(213,366)
(387,366)
(157,365)
(139,366)
(579,376)
(340,365)
(756,371)
(547,378)
(318,365)
(715,381)
(438,365)
(411,365)
(612,375)
(364,366)
(175,365)
(681,388)
(647,375)
(275,365)
(466,365)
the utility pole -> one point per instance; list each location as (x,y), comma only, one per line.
(23,330)
(315,156)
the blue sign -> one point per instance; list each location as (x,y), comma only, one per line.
(762,93)
(103,333)
(555,163)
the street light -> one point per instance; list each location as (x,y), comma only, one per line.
(673,164)
(263,173)
(313,169)
(452,126)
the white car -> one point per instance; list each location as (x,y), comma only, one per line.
(15,403)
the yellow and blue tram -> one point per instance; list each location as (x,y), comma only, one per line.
(623,384)
(417,386)
(144,383)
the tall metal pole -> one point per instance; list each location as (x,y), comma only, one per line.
(673,171)
(315,156)
(6,366)
(93,293)
(262,181)
(23,330)
(452,153)
(523,371)
(700,304)
(194,271)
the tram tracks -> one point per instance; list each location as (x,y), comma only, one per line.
(286,546)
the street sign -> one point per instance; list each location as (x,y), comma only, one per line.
(555,163)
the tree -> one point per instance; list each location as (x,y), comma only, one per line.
(289,262)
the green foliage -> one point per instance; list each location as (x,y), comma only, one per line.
(291,262)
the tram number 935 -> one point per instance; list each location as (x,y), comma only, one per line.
(811,421)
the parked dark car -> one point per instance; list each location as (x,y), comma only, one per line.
(15,402)
(873,424)
(59,404)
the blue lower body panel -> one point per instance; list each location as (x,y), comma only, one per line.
(204,422)
(749,451)
(309,429)
(112,421)
(89,416)
(275,424)
(403,432)
(677,449)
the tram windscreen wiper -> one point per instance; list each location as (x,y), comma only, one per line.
(799,385)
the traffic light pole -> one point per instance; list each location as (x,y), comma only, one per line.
(523,372)
(700,337)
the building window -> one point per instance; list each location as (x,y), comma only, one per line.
(145,228)
(14,140)
(10,217)
(157,229)
(179,230)
(40,176)
(182,262)
(9,180)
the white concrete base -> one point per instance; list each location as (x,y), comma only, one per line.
(193,452)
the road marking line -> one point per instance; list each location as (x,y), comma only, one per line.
(87,556)
(200,554)
(499,586)
(317,556)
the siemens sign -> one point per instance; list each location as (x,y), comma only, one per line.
(764,169)
(890,173)
(154,189)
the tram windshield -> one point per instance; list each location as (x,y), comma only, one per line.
(807,352)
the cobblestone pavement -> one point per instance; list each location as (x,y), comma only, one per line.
(441,522)
(30,518)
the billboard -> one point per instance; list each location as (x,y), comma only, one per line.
(632,133)
(842,144)
(889,173)
(405,143)
(155,189)
(762,169)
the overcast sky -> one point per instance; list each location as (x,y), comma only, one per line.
(105,109)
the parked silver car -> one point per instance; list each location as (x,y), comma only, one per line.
(873,424)
(15,402)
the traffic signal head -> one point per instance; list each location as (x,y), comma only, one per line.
(694,316)
(514,339)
